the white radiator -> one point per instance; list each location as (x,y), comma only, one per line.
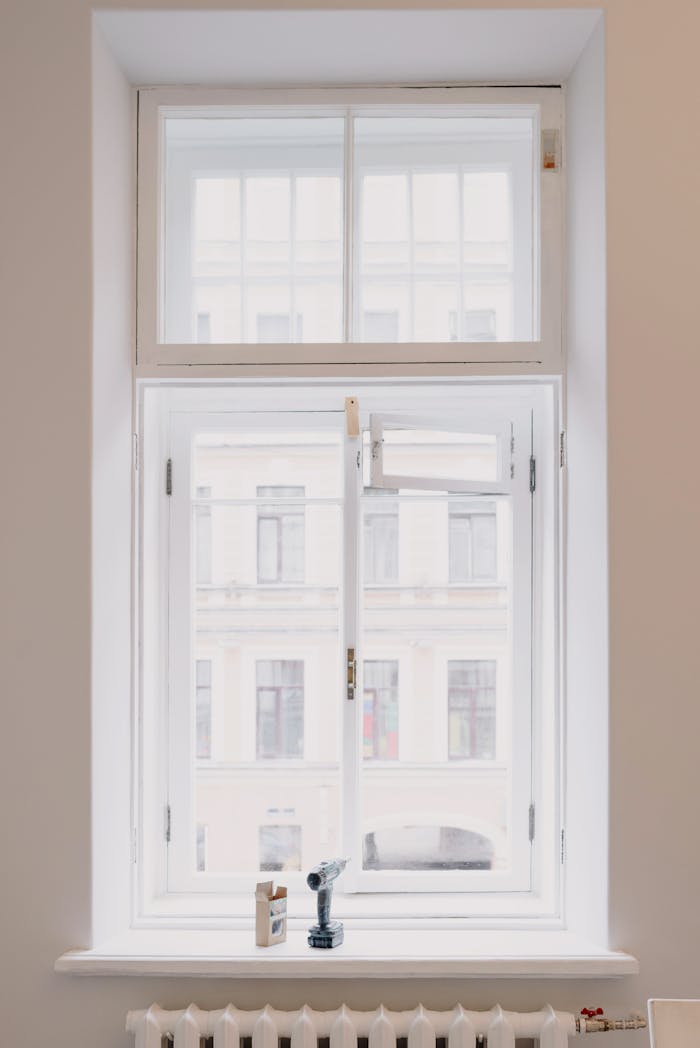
(343,1026)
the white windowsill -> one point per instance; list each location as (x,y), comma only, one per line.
(365,953)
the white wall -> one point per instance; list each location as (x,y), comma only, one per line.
(112,294)
(586,646)
(653,156)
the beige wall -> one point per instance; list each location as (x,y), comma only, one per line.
(654,371)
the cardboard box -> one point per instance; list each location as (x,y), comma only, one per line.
(270,914)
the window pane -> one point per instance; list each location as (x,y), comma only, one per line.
(440,454)
(269,621)
(419,180)
(426,677)
(253,222)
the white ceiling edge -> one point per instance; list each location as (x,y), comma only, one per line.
(338,48)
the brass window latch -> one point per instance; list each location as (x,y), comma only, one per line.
(351,674)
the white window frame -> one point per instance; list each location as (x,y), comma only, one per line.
(158,891)
(543,355)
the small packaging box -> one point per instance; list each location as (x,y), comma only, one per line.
(270,914)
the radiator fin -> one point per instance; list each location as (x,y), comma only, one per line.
(461,1033)
(189,1028)
(421,1033)
(265,1030)
(227,1032)
(382,1033)
(343,1034)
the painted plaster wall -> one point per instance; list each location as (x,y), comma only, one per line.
(653,156)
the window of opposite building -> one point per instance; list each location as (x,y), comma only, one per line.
(280,535)
(472,542)
(471,699)
(280,708)
(380,716)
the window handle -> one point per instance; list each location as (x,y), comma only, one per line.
(351,673)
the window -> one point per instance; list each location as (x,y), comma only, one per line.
(203,708)
(380,717)
(391,775)
(280,708)
(203,535)
(381,543)
(378,611)
(349,219)
(280,535)
(277,327)
(472,542)
(280,848)
(201,848)
(471,699)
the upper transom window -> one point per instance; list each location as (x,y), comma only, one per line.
(349,221)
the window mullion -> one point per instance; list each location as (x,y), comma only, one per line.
(292,256)
(244,263)
(351,706)
(348,228)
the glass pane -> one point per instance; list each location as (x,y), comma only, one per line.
(267,631)
(438,455)
(437,691)
(448,197)
(253,219)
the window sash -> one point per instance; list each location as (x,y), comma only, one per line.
(180,849)
(543,355)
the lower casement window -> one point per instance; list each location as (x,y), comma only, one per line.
(349,641)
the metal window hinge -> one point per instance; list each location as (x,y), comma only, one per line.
(351,673)
(531,823)
(169,477)
(167,823)
(135,446)
(562,449)
(533,474)
(563,846)
(359,460)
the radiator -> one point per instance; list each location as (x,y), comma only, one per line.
(343,1027)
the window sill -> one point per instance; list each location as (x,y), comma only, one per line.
(365,953)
